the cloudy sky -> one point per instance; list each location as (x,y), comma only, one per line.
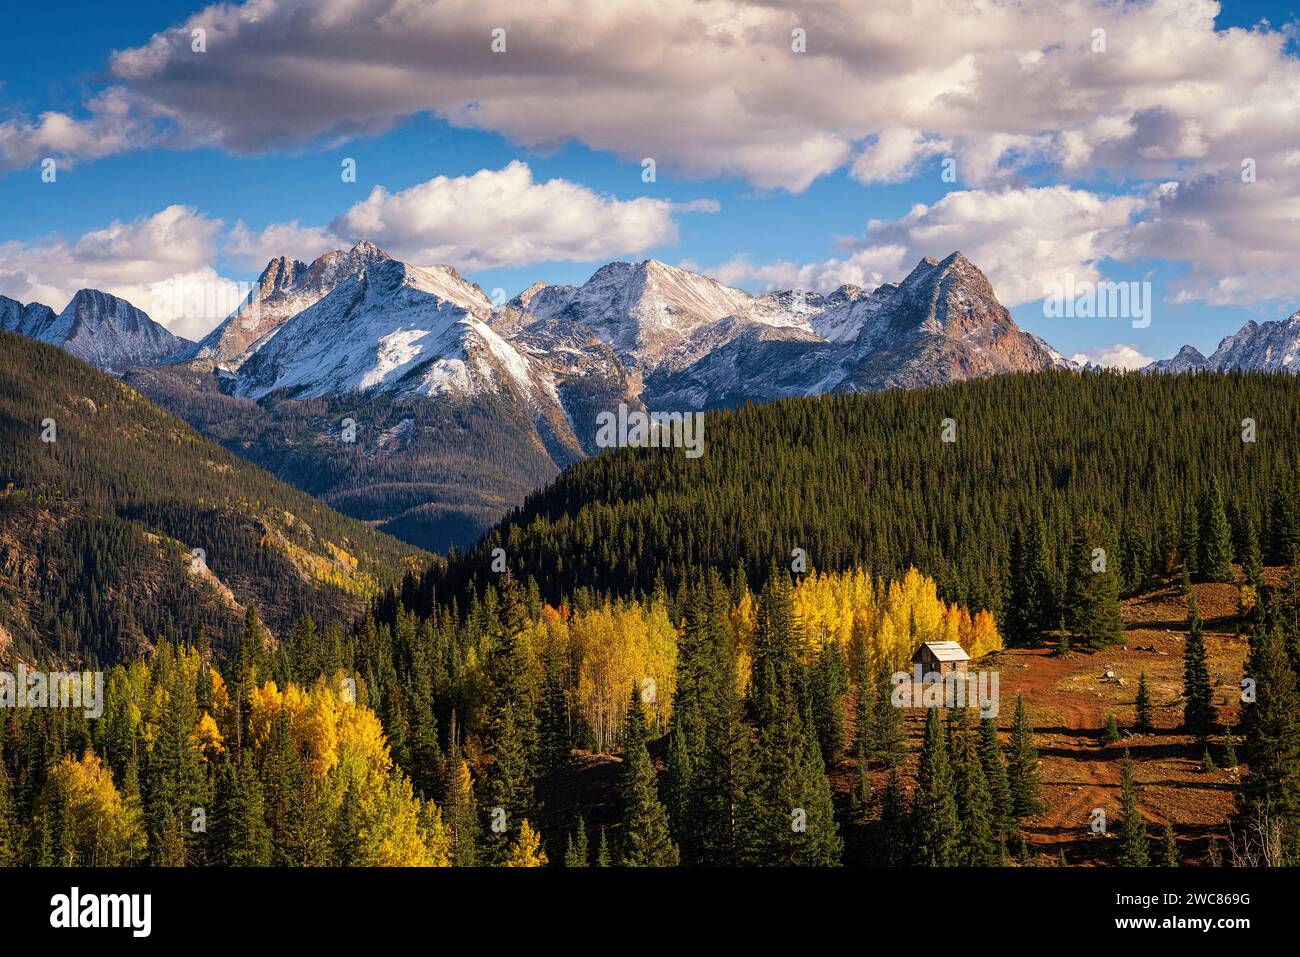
(802,144)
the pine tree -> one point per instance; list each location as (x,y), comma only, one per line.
(708,749)
(977,844)
(890,835)
(1198,694)
(460,813)
(885,722)
(1093,611)
(240,833)
(1272,737)
(1284,522)
(252,647)
(1229,751)
(686,739)
(576,853)
(935,827)
(1171,846)
(1135,847)
(646,838)
(602,851)
(1111,733)
(820,844)
(1252,561)
(995,773)
(721,772)
(281,771)
(677,780)
(829,683)
(1215,555)
(788,815)
(555,743)
(306,842)
(1022,766)
(1029,611)
(510,729)
(425,762)
(1142,705)
(174,780)
(1189,540)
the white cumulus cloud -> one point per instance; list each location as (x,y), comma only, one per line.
(1023,240)
(1118,356)
(162,264)
(491,218)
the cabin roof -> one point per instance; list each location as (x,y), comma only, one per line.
(944,651)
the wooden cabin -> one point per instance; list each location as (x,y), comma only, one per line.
(941,658)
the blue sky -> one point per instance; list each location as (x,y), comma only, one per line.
(783,212)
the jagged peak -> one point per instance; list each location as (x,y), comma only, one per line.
(88,296)
(364,253)
(659,266)
(525,296)
(931,270)
(366,248)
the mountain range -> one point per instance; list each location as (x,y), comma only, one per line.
(460,406)
(1264,347)
(96,327)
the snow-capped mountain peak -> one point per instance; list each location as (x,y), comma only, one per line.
(97,328)
(654,314)
(392,326)
(285,288)
(1259,347)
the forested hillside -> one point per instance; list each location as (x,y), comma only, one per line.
(1040,464)
(655,679)
(446,740)
(103,500)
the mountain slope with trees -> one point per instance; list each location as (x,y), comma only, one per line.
(104,499)
(1045,469)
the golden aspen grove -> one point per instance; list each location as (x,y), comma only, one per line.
(283,757)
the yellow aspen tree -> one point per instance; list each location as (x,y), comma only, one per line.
(984,637)
(264,705)
(207,738)
(389,832)
(99,830)
(660,657)
(527,851)
(604,674)
(743,622)
(438,838)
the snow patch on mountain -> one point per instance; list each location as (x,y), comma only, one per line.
(97,328)
(285,288)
